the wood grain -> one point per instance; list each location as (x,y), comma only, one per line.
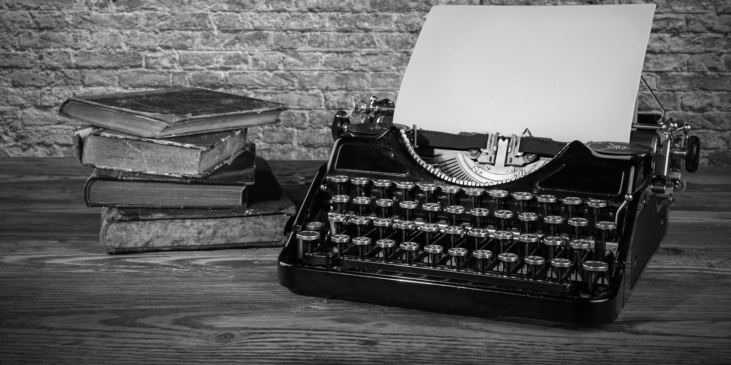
(63,300)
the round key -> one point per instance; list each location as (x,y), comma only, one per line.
(579,248)
(383,185)
(385,206)
(360,223)
(411,249)
(429,230)
(336,222)
(405,227)
(340,181)
(362,244)
(382,225)
(606,225)
(594,268)
(454,212)
(482,259)
(578,223)
(475,195)
(361,202)
(341,202)
(533,265)
(502,237)
(360,183)
(387,246)
(504,216)
(546,202)
(572,202)
(458,255)
(596,203)
(553,241)
(477,236)
(341,240)
(316,226)
(498,193)
(522,198)
(551,223)
(560,265)
(479,215)
(508,259)
(605,230)
(530,243)
(431,210)
(433,253)
(527,219)
(429,189)
(407,207)
(454,233)
(451,192)
(405,187)
(305,240)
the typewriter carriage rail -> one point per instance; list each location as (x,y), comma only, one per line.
(635,191)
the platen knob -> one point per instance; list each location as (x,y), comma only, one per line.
(693,154)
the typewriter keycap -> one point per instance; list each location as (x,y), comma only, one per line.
(361,223)
(454,212)
(429,190)
(479,215)
(530,243)
(458,255)
(453,233)
(560,265)
(387,247)
(605,232)
(385,207)
(578,223)
(362,243)
(497,197)
(405,187)
(336,222)
(317,226)
(341,203)
(429,230)
(527,219)
(509,260)
(341,241)
(407,208)
(411,250)
(361,203)
(546,202)
(405,227)
(483,259)
(305,240)
(596,206)
(382,225)
(522,198)
(451,191)
(553,245)
(579,248)
(340,181)
(433,253)
(551,224)
(594,268)
(383,185)
(504,216)
(475,195)
(478,235)
(431,210)
(360,184)
(502,237)
(533,265)
(571,202)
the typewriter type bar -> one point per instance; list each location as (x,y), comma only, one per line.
(565,242)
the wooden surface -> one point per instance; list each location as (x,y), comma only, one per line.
(63,300)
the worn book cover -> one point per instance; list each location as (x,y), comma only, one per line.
(261,224)
(225,188)
(195,156)
(171,112)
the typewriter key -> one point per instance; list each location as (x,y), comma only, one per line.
(405,227)
(483,258)
(502,237)
(530,243)
(578,223)
(385,207)
(340,181)
(605,232)
(527,219)
(553,245)
(533,266)
(454,212)
(546,202)
(560,265)
(504,216)
(411,250)
(405,187)
(475,195)
(407,209)
(362,243)
(341,203)
(479,215)
(429,230)
(478,235)
(318,227)
(305,240)
(382,225)
(595,269)
(451,191)
(579,249)
(383,186)
(387,246)
(522,198)
(551,224)
(509,260)
(360,185)
(336,222)
(596,205)
(458,255)
(454,233)
(361,224)
(433,254)
(497,198)
(571,202)
(341,241)
(429,191)
(361,203)
(431,210)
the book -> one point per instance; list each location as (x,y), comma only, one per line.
(225,188)
(261,224)
(171,112)
(195,156)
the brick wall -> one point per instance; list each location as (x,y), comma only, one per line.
(312,55)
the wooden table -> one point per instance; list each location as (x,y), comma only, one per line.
(62,299)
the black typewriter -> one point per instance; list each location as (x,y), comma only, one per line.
(485,224)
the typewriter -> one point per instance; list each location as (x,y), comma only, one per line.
(485,224)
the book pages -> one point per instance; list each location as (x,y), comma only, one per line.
(563,72)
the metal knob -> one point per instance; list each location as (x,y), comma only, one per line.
(594,269)
(433,253)
(458,255)
(387,246)
(483,259)
(533,266)
(411,250)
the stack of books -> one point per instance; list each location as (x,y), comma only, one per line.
(174,170)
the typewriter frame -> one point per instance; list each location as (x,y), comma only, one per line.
(641,208)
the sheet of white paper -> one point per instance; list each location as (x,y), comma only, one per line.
(564,72)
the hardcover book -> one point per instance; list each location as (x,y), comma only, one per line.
(261,224)
(171,112)
(195,156)
(225,188)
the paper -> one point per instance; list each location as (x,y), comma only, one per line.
(564,72)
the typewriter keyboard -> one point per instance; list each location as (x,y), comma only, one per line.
(466,236)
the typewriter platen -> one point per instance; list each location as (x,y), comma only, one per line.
(484,224)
